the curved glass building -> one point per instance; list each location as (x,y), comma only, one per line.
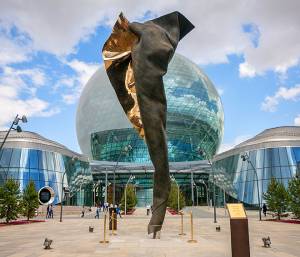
(194,122)
(274,153)
(28,156)
(194,119)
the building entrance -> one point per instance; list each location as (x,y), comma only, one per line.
(144,196)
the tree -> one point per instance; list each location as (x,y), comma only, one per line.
(131,199)
(173,198)
(30,200)
(294,196)
(10,200)
(276,197)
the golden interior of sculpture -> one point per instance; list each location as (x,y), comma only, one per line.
(117,49)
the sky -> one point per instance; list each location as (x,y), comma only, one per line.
(249,49)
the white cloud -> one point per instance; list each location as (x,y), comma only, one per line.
(227,146)
(246,70)
(18,95)
(270,103)
(83,72)
(297,120)
(58,26)
(12,52)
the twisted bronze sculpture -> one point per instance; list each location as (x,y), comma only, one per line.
(136,57)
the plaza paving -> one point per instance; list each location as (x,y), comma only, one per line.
(72,238)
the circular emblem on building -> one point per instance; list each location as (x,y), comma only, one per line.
(46,195)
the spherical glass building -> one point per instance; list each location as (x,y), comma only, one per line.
(194,120)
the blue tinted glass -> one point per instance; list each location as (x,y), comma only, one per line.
(50,161)
(283,156)
(43,175)
(5,157)
(52,176)
(275,157)
(34,174)
(260,154)
(13,173)
(24,174)
(296,151)
(33,159)
(286,172)
(268,157)
(15,158)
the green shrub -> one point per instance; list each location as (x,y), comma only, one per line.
(294,196)
(30,201)
(173,198)
(131,199)
(10,200)
(276,197)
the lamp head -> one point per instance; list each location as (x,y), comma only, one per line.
(19,129)
(24,119)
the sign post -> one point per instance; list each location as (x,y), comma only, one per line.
(239,230)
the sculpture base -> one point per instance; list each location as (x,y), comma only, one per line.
(155,229)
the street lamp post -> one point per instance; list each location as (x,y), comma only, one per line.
(70,162)
(94,191)
(203,183)
(245,157)
(62,196)
(18,128)
(130,178)
(192,188)
(197,194)
(126,149)
(204,154)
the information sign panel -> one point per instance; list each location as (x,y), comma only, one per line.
(236,211)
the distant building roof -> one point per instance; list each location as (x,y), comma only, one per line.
(269,138)
(27,139)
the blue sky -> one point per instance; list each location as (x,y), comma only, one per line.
(250,51)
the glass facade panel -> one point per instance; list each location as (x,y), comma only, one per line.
(45,169)
(15,158)
(5,157)
(33,159)
(280,163)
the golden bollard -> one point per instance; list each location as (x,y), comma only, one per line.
(181,229)
(192,240)
(104,241)
(113,223)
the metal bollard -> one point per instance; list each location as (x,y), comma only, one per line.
(113,223)
(181,228)
(104,241)
(192,240)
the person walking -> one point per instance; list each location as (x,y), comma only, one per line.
(82,212)
(48,212)
(97,212)
(265,209)
(51,211)
(118,211)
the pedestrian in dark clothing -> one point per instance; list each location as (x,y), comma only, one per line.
(82,212)
(97,212)
(48,212)
(51,211)
(265,209)
(118,211)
